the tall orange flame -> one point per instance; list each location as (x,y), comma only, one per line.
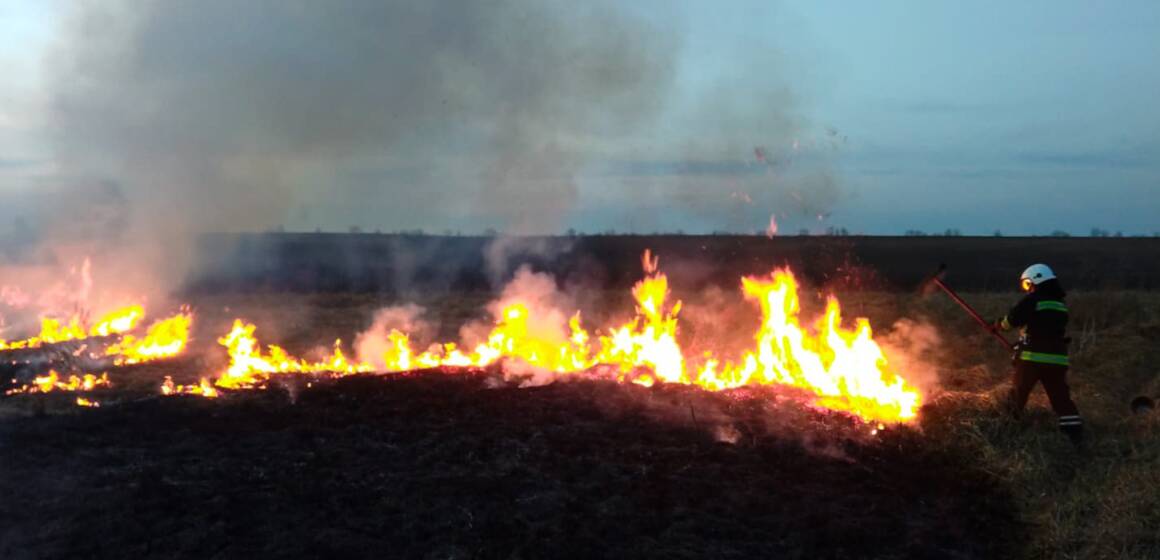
(846,369)
(250,367)
(53,330)
(164,339)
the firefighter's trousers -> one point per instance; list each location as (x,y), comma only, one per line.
(1054,379)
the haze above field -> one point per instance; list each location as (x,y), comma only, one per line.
(536,117)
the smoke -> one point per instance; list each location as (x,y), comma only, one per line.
(220,115)
(547,309)
(718,320)
(70,252)
(911,346)
(372,344)
(750,142)
(502,254)
(71,287)
(544,312)
(548,312)
(399,115)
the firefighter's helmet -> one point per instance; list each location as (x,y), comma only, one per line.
(1035,275)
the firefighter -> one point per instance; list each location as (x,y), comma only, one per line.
(1041,353)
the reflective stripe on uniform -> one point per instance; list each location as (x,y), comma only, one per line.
(1071,420)
(1051,305)
(1042,358)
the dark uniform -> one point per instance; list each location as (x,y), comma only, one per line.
(1041,354)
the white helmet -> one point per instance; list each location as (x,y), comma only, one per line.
(1035,275)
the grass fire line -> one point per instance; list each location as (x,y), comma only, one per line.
(840,368)
(164,339)
(843,369)
(54,330)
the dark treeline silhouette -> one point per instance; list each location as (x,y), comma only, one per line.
(426,264)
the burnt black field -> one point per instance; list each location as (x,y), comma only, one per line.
(439,465)
(408,264)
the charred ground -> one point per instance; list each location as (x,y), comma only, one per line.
(441,466)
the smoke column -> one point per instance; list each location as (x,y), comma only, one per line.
(223,115)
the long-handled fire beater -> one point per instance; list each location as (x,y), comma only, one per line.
(937,280)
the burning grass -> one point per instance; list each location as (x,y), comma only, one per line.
(111,344)
(53,330)
(845,369)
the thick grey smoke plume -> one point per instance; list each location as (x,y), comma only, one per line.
(438,115)
(226,115)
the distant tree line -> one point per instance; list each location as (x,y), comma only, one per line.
(949,232)
(831,231)
(1097,232)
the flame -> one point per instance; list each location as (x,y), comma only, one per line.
(844,369)
(120,321)
(81,401)
(53,330)
(250,367)
(164,339)
(649,340)
(52,381)
(514,338)
(204,388)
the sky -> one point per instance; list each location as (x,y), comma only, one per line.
(879,117)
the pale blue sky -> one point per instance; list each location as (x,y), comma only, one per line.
(1020,116)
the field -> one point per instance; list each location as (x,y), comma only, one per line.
(416,265)
(452,464)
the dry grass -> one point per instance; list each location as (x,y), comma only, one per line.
(1102,501)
